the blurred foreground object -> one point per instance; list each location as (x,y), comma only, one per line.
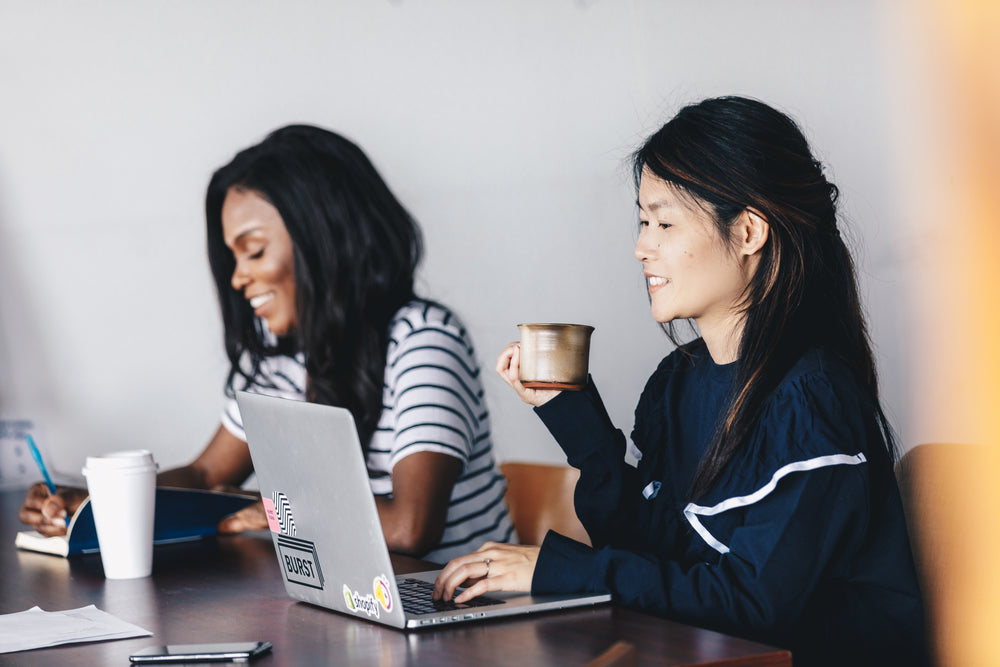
(952,173)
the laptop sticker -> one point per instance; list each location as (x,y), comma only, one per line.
(299,561)
(370,603)
(279,514)
(272,516)
(382,592)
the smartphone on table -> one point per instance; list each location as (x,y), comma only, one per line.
(227,652)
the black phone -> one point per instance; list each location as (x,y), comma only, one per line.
(228,652)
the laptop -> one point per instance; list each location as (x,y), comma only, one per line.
(326,531)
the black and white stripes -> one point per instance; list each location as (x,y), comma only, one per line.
(432,401)
(283,512)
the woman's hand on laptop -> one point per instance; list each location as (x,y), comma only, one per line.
(46,512)
(493,567)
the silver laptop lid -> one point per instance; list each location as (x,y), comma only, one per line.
(320,509)
(325,526)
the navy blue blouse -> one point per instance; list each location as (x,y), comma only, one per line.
(801,542)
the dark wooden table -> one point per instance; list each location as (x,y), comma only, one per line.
(230,589)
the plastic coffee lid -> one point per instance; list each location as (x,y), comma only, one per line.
(126,460)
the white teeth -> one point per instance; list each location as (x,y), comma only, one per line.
(656,281)
(260,300)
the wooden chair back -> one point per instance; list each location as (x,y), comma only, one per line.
(948,492)
(540,498)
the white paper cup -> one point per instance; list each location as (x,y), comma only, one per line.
(122,488)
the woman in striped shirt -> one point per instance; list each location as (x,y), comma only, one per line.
(313,259)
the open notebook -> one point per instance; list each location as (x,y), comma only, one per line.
(181,514)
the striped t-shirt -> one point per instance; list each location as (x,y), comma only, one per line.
(432,401)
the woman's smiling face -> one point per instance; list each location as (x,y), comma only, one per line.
(690,270)
(265,266)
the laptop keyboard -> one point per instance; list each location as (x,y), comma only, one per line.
(416,597)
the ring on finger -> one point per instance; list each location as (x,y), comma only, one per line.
(487,562)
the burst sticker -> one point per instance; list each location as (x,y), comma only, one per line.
(299,561)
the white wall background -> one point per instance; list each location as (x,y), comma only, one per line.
(505,127)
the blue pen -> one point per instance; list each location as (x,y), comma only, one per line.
(37,455)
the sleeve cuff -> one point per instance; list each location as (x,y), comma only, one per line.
(573,418)
(566,566)
(232,420)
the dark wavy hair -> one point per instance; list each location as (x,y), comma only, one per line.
(732,153)
(355,252)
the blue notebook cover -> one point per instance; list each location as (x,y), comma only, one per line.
(181,514)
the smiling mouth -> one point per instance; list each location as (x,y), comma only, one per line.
(259,300)
(656,281)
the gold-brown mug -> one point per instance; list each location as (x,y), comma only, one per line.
(554,356)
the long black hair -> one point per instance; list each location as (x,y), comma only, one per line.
(731,154)
(355,251)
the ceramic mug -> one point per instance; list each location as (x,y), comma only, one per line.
(554,356)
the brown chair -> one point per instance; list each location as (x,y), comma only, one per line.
(540,498)
(948,492)
(922,497)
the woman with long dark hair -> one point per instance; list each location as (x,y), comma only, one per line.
(314,260)
(764,502)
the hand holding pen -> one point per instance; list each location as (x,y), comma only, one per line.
(46,508)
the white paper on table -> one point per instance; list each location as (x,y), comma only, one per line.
(36,628)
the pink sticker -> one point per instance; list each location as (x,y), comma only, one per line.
(272,516)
